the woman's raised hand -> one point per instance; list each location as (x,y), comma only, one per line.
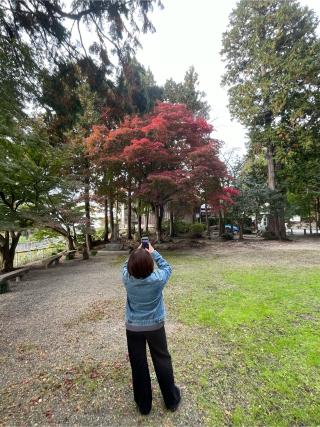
(151,248)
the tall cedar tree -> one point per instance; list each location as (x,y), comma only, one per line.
(272,69)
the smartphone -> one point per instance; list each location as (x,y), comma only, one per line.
(145,242)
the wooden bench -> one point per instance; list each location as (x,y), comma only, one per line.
(15,274)
(6,277)
(54,259)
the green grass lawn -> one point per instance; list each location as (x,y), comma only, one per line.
(254,339)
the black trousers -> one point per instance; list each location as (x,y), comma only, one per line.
(161,359)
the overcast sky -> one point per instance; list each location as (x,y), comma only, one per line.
(189,32)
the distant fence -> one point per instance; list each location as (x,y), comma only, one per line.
(33,251)
(24,257)
(28,246)
(302,232)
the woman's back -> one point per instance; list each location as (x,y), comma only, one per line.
(144,295)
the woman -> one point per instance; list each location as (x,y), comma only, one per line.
(145,315)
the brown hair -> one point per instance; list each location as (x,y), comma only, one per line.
(140,264)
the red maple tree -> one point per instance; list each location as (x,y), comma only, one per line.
(164,158)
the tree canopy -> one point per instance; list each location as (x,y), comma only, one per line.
(161,156)
(272,57)
(187,93)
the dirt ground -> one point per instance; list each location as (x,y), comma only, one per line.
(62,340)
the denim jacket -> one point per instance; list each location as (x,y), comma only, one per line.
(145,304)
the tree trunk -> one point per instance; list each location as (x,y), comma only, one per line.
(88,243)
(70,240)
(116,225)
(139,216)
(70,243)
(317,209)
(74,235)
(310,221)
(273,222)
(6,261)
(271,171)
(241,229)
(193,215)
(171,224)
(129,234)
(221,223)
(106,221)
(159,213)
(256,225)
(8,250)
(85,252)
(276,225)
(65,233)
(87,211)
(282,225)
(147,221)
(207,219)
(139,225)
(111,218)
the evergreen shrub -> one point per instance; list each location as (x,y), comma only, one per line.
(197,229)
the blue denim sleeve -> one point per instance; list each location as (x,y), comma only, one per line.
(125,274)
(164,268)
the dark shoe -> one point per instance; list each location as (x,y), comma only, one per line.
(142,410)
(176,406)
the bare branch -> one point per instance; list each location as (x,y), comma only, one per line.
(81,41)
